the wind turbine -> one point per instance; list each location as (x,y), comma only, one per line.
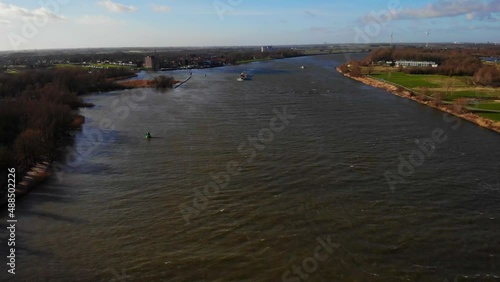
(392,37)
(427,33)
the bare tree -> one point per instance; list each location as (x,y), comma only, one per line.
(438,98)
(459,105)
(29,145)
(356,70)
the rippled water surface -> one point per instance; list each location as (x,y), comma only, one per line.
(115,214)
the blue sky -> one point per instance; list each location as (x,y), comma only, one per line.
(40,24)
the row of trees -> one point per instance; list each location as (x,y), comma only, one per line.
(425,54)
(37,106)
(73,80)
(176,60)
(488,75)
(452,62)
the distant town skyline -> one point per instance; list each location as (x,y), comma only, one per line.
(49,24)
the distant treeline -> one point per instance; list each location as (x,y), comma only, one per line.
(36,106)
(166,59)
(235,57)
(175,60)
(452,62)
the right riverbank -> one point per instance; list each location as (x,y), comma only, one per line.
(403,93)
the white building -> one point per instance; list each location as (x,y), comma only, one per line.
(266,49)
(404,63)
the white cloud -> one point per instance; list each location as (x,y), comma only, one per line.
(97,20)
(5,22)
(9,11)
(116,7)
(160,8)
(472,9)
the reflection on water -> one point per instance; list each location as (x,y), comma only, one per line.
(116,212)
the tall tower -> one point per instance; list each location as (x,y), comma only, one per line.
(152,62)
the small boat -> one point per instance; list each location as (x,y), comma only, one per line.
(243,77)
(302,67)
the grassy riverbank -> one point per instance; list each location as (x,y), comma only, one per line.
(486,120)
(447,89)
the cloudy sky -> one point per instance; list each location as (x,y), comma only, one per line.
(41,24)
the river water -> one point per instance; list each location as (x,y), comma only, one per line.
(310,203)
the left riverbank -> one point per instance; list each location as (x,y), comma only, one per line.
(32,144)
(38,109)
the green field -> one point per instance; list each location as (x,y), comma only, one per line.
(480,93)
(251,61)
(492,116)
(451,88)
(415,81)
(410,81)
(489,106)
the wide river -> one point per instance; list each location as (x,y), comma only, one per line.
(320,179)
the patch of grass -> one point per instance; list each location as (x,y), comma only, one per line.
(449,88)
(473,94)
(251,61)
(489,106)
(420,80)
(492,116)
(410,80)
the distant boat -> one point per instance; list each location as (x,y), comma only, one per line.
(302,67)
(243,77)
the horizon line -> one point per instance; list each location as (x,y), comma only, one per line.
(249,46)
